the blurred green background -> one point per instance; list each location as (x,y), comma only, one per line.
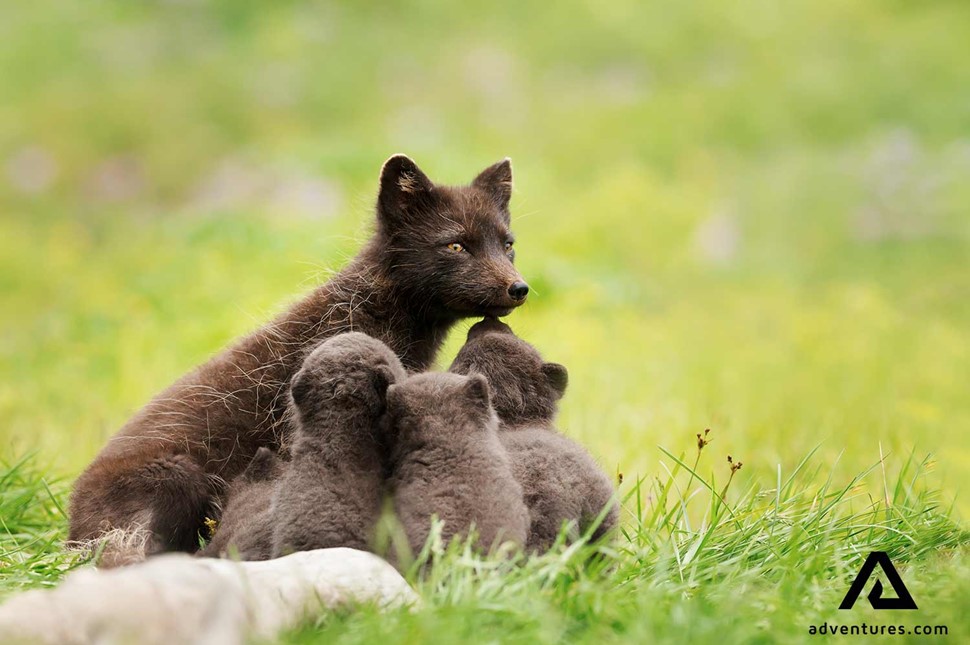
(747,216)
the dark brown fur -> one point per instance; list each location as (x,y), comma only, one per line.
(331,491)
(164,471)
(246,528)
(560,481)
(446,460)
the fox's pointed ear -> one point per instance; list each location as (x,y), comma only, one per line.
(403,188)
(557,377)
(496,180)
(477,390)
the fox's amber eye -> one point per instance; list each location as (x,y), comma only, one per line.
(456,247)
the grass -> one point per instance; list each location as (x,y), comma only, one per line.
(34,524)
(696,561)
(744,217)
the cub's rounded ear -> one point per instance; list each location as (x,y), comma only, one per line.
(300,388)
(496,180)
(262,466)
(477,390)
(393,401)
(403,187)
(557,376)
(384,377)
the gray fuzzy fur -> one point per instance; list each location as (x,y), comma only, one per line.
(331,491)
(561,481)
(446,460)
(246,527)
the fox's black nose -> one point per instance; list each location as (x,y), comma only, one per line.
(519,290)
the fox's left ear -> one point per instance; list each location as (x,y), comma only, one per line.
(496,180)
(557,376)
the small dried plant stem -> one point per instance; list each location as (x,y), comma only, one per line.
(735,467)
(702,441)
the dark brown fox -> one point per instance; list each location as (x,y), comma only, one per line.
(560,481)
(438,254)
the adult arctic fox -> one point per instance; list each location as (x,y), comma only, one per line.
(438,254)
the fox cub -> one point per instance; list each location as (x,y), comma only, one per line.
(331,492)
(446,460)
(560,481)
(245,528)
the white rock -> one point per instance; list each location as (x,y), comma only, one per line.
(178,598)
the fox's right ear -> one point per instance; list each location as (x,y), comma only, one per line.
(404,188)
(496,180)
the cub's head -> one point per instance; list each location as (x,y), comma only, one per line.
(450,247)
(524,387)
(439,403)
(348,369)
